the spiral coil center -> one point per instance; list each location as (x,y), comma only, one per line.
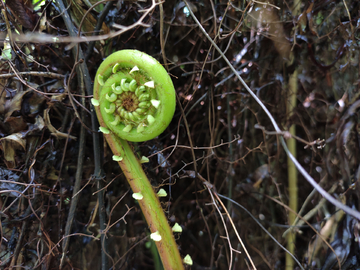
(129,102)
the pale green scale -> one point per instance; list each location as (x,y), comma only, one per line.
(144,104)
(115,68)
(122,113)
(131,116)
(116,120)
(112,97)
(124,85)
(140,128)
(111,109)
(101,80)
(133,86)
(150,119)
(139,90)
(127,128)
(136,115)
(139,110)
(155,103)
(144,97)
(116,89)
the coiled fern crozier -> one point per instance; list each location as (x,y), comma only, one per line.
(136,95)
(134,99)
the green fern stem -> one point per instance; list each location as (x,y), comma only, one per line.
(134,100)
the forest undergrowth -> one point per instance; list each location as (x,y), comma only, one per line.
(250,77)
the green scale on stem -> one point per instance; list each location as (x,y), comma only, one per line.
(136,95)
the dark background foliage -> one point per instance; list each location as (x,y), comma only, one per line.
(266,43)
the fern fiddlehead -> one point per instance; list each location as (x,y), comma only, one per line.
(134,99)
(136,95)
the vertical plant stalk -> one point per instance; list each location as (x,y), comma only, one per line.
(292,172)
(291,143)
(134,100)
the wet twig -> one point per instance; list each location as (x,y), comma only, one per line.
(84,74)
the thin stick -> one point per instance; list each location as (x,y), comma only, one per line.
(34,73)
